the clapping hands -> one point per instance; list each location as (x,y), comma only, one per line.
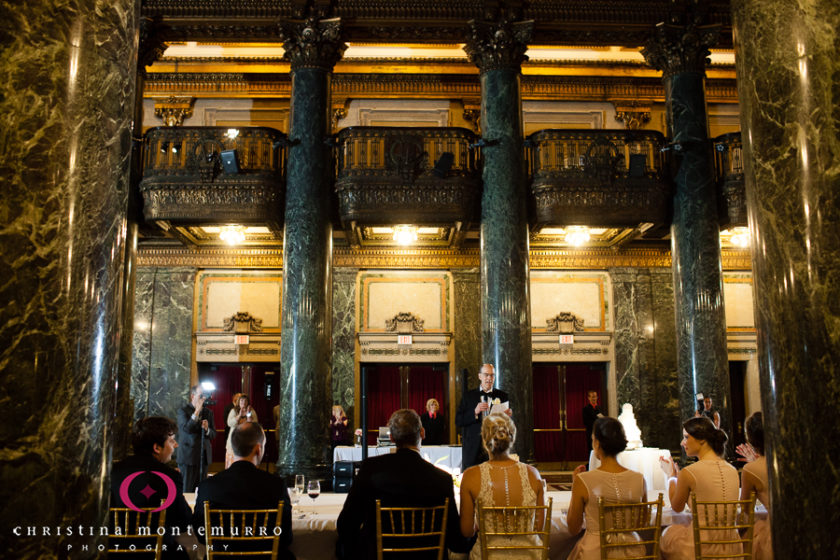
(746,452)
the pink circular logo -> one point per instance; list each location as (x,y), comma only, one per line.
(171,491)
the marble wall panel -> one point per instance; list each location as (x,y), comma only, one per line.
(162,352)
(344,338)
(645,352)
(467,333)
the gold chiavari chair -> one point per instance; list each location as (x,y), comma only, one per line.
(630,531)
(502,530)
(240,530)
(411,529)
(724,529)
(136,532)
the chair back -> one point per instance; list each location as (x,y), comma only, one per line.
(723,529)
(411,529)
(630,530)
(235,533)
(130,528)
(505,529)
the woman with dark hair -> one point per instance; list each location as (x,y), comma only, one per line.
(711,479)
(610,481)
(754,479)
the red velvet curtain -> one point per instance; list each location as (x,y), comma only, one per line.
(228,381)
(383,397)
(548,446)
(580,378)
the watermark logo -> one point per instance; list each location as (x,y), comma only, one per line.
(148,491)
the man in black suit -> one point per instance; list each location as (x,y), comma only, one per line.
(591,412)
(146,473)
(475,405)
(193,420)
(401,479)
(244,486)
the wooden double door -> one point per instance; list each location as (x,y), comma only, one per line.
(559,395)
(390,387)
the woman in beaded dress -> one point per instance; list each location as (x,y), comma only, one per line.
(500,481)
(711,479)
(610,481)
(754,479)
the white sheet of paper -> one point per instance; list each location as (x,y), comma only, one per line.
(499,408)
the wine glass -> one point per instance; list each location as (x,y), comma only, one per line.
(300,484)
(313,489)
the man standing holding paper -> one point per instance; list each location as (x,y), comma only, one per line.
(475,405)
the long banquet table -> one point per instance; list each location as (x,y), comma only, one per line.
(448,456)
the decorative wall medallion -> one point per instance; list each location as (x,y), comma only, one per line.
(242,322)
(404,323)
(564,323)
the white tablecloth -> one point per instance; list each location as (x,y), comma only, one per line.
(441,455)
(644,460)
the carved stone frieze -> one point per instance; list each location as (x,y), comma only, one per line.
(564,322)
(404,322)
(498,45)
(174,110)
(242,322)
(312,43)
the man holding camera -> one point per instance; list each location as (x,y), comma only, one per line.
(195,430)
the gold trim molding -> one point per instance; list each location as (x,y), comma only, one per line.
(345,257)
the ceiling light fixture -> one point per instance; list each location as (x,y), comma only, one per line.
(577,235)
(232,235)
(405,235)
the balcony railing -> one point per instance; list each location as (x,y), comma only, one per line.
(729,170)
(598,177)
(395,175)
(212,175)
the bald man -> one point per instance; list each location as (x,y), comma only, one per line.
(475,405)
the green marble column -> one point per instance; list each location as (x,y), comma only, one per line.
(67,98)
(789,89)
(313,47)
(498,49)
(680,52)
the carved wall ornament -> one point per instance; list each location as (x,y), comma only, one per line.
(312,43)
(497,45)
(174,110)
(404,322)
(565,322)
(242,322)
(634,115)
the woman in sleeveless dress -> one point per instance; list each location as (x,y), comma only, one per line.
(754,479)
(500,481)
(611,481)
(242,412)
(710,478)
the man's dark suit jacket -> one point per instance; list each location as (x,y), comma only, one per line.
(177,515)
(244,486)
(590,414)
(401,479)
(472,452)
(189,436)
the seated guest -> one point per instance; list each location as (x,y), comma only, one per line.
(434,423)
(610,481)
(500,481)
(244,486)
(154,443)
(401,479)
(711,479)
(754,479)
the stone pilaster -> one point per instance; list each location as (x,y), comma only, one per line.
(680,52)
(498,49)
(313,47)
(67,99)
(789,92)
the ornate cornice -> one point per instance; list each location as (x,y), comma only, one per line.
(312,43)
(676,49)
(152,43)
(498,45)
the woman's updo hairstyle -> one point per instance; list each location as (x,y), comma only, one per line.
(498,432)
(704,430)
(755,432)
(610,435)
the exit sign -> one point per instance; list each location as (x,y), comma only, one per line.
(241,339)
(567,339)
(404,339)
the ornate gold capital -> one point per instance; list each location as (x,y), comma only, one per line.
(174,110)
(496,45)
(675,49)
(312,43)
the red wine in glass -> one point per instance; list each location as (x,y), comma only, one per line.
(313,489)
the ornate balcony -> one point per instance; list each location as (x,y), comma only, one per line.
(606,178)
(213,175)
(729,170)
(387,176)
